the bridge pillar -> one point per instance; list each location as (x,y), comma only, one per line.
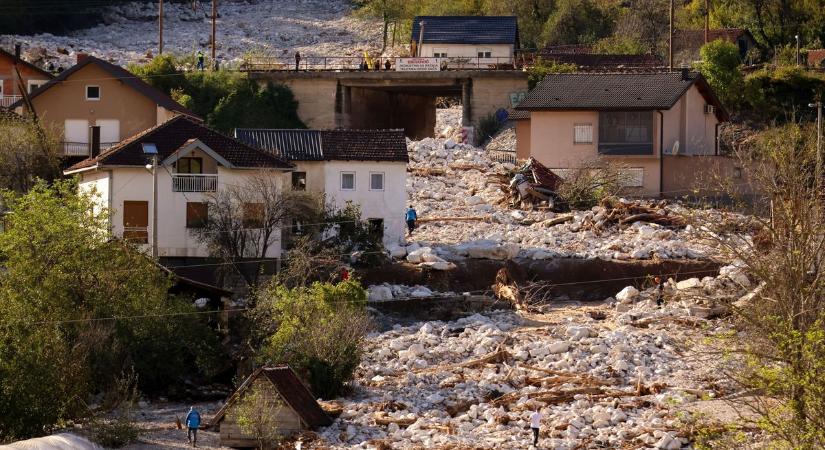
(343,106)
(466,102)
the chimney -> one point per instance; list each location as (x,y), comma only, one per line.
(685,74)
(81,57)
(16,53)
(94,141)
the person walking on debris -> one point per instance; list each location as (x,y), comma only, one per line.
(535,425)
(660,298)
(200,61)
(411,216)
(297,61)
(193,422)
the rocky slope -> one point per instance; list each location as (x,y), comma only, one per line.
(271,27)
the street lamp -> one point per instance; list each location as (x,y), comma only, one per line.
(818,106)
(151,150)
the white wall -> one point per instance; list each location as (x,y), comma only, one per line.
(388,204)
(470,51)
(135,184)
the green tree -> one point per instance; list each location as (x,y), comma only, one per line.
(781,324)
(318,330)
(63,278)
(29,152)
(223,98)
(274,106)
(577,22)
(720,66)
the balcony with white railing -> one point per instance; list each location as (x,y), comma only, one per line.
(8,100)
(194,182)
(82,148)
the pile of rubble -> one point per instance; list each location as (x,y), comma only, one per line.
(608,376)
(272,28)
(463,212)
(386,292)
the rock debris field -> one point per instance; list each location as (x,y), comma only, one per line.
(456,182)
(613,375)
(270,27)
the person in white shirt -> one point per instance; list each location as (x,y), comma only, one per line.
(535,424)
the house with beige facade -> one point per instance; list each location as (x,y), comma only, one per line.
(365,167)
(97,100)
(192,162)
(636,120)
(466,40)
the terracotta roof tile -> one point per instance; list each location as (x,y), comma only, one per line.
(321,145)
(174,134)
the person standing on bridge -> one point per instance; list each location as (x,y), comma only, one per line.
(297,61)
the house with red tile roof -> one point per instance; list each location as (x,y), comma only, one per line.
(17,75)
(96,96)
(193,162)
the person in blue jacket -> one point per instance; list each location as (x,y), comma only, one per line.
(411,216)
(193,422)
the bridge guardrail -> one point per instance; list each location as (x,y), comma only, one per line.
(357,63)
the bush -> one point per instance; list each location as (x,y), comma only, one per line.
(543,67)
(317,330)
(121,430)
(781,95)
(487,127)
(585,186)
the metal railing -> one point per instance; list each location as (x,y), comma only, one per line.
(378,64)
(8,100)
(194,182)
(503,156)
(82,148)
(136,235)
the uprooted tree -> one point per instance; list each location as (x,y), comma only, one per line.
(783,357)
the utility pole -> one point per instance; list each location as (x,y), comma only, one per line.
(160,27)
(214,14)
(670,50)
(796,36)
(707,20)
(155,206)
(818,181)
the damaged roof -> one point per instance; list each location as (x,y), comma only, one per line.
(616,92)
(174,134)
(329,145)
(292,391)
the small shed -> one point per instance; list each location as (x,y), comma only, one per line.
(298,411)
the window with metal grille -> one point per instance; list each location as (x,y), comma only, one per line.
(626,132)
(583,133)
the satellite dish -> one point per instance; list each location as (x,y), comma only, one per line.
(675,148)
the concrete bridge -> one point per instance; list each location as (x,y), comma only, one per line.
(395,99)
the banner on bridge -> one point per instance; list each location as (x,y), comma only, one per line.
(417,64)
